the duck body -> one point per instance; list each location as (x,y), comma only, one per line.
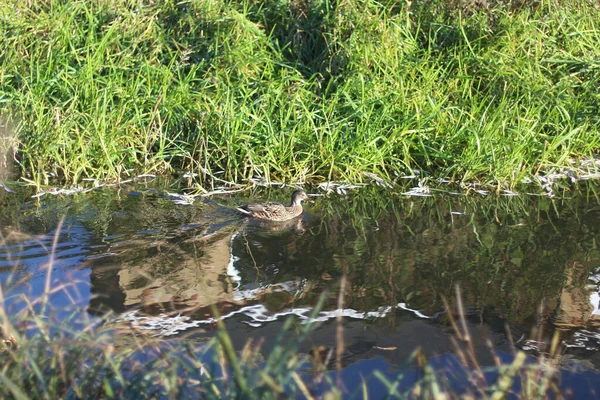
(275,212)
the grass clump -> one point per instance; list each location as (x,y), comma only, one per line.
(48,351)
(77,357)
(300,90)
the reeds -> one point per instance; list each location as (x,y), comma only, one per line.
(300,90)
(78,356)
(47,356)
(95,362)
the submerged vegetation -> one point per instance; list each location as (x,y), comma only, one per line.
(299,90)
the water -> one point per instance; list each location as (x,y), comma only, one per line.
(525,262)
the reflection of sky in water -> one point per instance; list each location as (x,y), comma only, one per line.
(358,381)
(451,373)
(23,270)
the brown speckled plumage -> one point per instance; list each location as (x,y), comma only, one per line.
(276,211)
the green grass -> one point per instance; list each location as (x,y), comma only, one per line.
(45,357)
(300,90)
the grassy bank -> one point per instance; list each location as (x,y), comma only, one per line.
(300,90)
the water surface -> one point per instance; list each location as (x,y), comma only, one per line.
(527,263)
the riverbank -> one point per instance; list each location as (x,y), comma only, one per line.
(300,91)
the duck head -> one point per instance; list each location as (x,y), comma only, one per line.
(298,196)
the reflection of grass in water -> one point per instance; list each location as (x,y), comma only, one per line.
(375,202)
(500,247)
(510,252)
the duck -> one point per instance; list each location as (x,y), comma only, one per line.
(275,211)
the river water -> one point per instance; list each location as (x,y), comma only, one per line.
(528,266)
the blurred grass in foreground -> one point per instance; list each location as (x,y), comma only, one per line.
(46,357)
(56,361)
(300,90)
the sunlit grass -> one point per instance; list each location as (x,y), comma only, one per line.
(299,90)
